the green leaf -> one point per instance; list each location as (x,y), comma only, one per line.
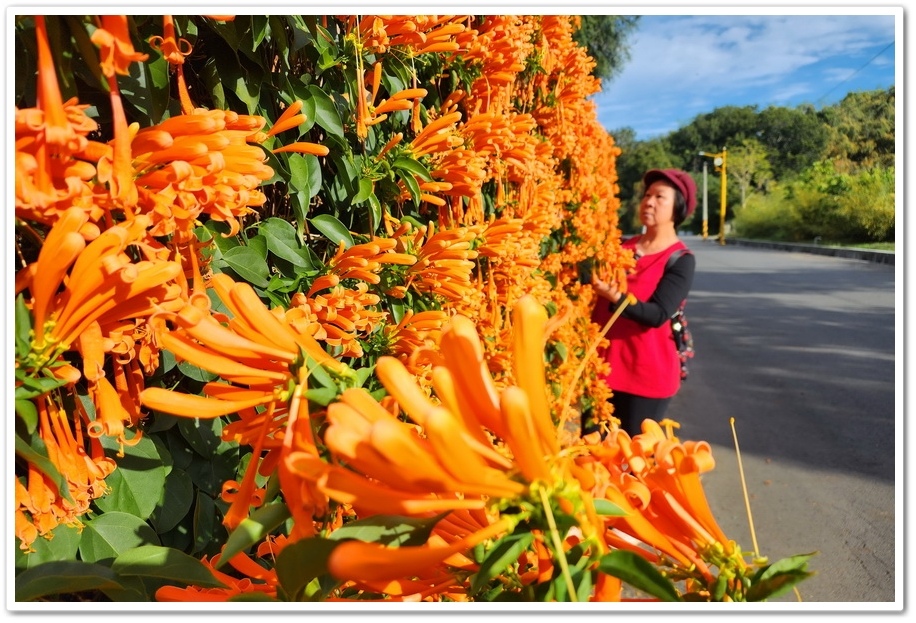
(195,372)
(300,204)
(346,182)
(326,114)
(249,265)
(33,386)
(23,327)
(390,530)
(607,508)
(305,174)
(212,79)
(318,373)
(411,165)
(375,206)
(333,229)
(260,29)
(283,241)
(322,395)
(777,578)
(258,242)
(28,413)
(111,534)
(639,573)
(365,191)
(137,482)
(363,374)
(204,436)
(245,87)
(207,528)
(217,229)
(63,545)
(222,465)
(175,501)
(412,185)
(252,529)
(159,81)
(504,553)
(301,562)
(164,563)
(65,577)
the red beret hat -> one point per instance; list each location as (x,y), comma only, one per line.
(680,180)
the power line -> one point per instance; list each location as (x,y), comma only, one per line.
(850,77)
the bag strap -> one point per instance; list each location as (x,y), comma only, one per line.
(671,260)
(675,257)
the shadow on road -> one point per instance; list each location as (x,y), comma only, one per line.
(805,365)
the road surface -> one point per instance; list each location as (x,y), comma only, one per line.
(800,350)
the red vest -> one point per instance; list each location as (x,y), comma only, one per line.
(643,359)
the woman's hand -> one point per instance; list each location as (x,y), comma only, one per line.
(606,290)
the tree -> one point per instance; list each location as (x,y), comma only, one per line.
(710,132)
(749,166)
(795,138)
(862,129)
(605,38)
(635,159)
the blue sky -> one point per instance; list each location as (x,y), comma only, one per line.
(682,66)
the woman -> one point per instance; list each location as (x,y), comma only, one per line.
(645,368)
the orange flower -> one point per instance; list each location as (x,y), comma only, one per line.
(443,264)
(81,461)
(117,49)
(414,336)
(344,316)
(48,139)
(256,580)
(199,163)
(374,562)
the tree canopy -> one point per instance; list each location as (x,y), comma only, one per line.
(771,147)
(605,37)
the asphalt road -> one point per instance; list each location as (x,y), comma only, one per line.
(800,350)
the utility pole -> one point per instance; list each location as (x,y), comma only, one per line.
(705,202)
(720,161)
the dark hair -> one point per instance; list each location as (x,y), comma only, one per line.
(680,208)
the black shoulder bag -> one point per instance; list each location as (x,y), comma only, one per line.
(683,340)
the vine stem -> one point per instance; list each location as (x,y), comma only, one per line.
(558,545)
(747,503)
(629,299)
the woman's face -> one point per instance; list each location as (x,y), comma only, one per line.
(657,205)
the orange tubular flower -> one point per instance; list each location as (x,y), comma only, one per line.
(257,580)
(373,562)
(455,453)
(200,162)
(174,50)
(443,263)
(414,336)
(49,177)
(82,462)
(258,351)
(343,315)
(116,46)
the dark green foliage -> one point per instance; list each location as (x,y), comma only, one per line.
(605,38)
(830,172)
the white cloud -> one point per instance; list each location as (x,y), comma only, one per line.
(686,65)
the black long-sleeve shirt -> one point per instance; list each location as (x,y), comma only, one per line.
(671,290)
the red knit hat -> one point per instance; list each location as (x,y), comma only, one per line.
(680,180)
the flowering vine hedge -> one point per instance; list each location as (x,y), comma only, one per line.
(297,319)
